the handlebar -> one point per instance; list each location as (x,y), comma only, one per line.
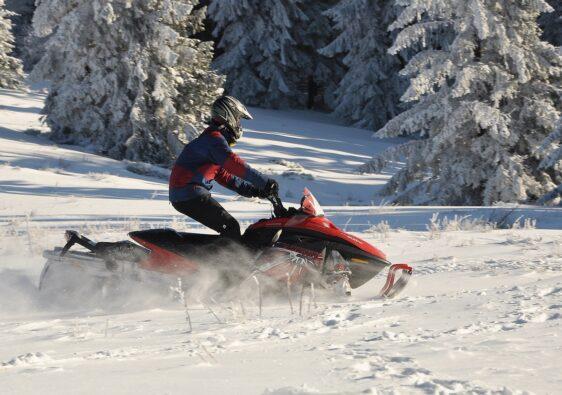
(278,209)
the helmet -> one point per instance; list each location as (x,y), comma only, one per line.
(228,111)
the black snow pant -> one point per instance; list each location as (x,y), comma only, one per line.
(209,212)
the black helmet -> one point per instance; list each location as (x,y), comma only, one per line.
(229,111)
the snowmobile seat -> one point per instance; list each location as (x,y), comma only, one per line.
(178,242)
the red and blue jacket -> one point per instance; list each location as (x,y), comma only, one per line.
(209,158)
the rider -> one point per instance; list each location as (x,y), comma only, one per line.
(209,157)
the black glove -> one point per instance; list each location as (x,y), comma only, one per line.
(251,192)
(270,189)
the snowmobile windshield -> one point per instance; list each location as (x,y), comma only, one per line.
(309,204)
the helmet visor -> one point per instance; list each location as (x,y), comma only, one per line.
(244,113)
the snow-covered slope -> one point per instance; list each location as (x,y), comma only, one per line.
(483,311)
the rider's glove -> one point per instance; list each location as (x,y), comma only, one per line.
(253,192)
(270,189)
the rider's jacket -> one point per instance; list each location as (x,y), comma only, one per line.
(209,158)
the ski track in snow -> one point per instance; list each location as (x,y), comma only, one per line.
(482,313)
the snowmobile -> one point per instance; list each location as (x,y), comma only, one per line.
(293,247)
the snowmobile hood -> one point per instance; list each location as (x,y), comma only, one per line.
(320,225)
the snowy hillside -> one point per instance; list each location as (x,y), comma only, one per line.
(482,313)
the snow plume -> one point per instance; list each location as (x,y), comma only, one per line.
(483,104)
(125,76)
(11,71)
(67,287)
(18,292)
(219,275)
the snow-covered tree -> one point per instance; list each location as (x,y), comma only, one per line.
(32,49)
(11,72)
(550,152)
(21,23)
(322,74)
(28,47)
(551,22)
(260,57)
(126,78)
(369,93)
(483,105)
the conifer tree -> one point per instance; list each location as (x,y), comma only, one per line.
(322,73)
(483,105)
(21,24)
(259,54)
(269,51)
(11,72)
(126,78)
(369,93)
(551,23)
(550,152)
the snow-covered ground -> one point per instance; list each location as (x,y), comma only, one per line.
(482,313)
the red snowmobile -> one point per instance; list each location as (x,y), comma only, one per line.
(295,246)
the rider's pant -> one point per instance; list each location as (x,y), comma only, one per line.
(209,212)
